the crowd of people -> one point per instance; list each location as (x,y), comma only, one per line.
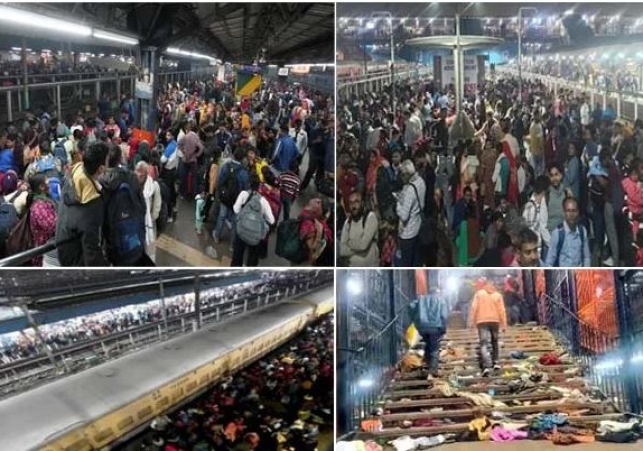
(599,75)
(104,190)
(520,179)
(282,402)
(55,336)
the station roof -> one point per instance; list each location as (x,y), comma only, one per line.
(484,9)
(232,32)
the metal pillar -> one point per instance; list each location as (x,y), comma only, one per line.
(118,89)
(41,340)
(25,82)
(163,307)
(618,105)
(147,111)
(58,102)
(97,91)
(9,112)
(456,65)
(392,67)
(197,300)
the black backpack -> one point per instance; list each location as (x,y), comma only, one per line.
(229,190)
(164,214)
(126,226)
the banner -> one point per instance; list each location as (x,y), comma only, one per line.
(247,83)
(470,71)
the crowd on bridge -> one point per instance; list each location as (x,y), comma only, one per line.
(282,402)
(601,75)
(59,335)
(104,190)
(531,178)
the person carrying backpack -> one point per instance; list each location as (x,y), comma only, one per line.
(125,213)
(254,217)
(233,178)
(569,241)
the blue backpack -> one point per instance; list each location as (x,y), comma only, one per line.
(55,188)
(8,217)
(60,152)
(126,225)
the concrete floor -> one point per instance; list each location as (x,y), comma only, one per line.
(528,445)
(181,246)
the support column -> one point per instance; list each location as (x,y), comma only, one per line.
(25,75)
(163,307)
(197,301)
(604,100)
(41,340)
(58,102)
(147,102)
(97,91)
(118,89)
(9,112)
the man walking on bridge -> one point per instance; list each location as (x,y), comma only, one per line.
(429,314)
(488,316)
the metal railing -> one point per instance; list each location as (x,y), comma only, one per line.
(370,370)
(26,373)
(592,347)
(628,105)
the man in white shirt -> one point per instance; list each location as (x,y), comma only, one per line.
(585,118)
(300,136)
(413,131)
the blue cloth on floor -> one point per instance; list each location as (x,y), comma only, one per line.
(547,422)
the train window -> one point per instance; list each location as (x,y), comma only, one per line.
(80,445)
(162,402)
(146,412)
(125,423)
(103,435)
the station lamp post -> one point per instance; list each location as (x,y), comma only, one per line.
(520,10)
(389,18)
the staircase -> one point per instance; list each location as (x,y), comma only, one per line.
(412,406)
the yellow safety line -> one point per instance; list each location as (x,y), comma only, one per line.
(188,254)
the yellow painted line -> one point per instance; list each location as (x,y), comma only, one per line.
(253,84)
(188,254)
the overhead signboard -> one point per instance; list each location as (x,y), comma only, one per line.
(283,72)
(300,69)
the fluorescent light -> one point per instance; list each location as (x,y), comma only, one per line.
(114,37)
(311,65)
(354,286)
(175,51)
(370,25)
(41,21)
(365,383)
(569,12)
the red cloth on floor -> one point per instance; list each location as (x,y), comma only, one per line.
(550,358)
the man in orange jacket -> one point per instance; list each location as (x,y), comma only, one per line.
(488,315)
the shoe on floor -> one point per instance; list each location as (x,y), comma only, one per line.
(486,372)
(170,219)
(215,237)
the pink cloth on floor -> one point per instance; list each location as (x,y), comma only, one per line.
(499,434)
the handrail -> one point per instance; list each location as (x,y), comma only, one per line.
(24,257)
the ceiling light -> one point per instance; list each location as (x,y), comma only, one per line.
(41,21)
(114,37)
(175,51)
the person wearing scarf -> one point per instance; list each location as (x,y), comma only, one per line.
(152,196)
(42,213)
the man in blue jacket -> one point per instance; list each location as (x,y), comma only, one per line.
(429,314)
(285,151)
